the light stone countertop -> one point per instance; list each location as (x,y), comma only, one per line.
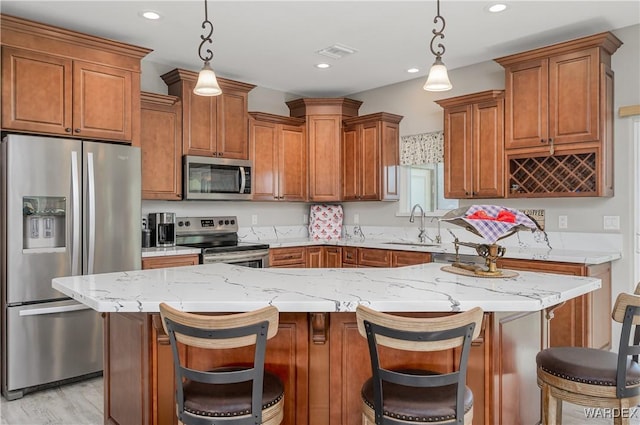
(172,250)
(228,288)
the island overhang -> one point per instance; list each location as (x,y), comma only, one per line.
(228,288)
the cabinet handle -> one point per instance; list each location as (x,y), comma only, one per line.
(68,130)
(542,141)
(77,130)
(219,153)
(466,194)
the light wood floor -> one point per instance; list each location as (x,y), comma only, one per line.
(81,404)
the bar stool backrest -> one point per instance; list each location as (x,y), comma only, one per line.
(418,334)
(220,332)
(627,311)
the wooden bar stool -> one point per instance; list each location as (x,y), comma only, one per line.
(233,395)
(595,378)
(405,396)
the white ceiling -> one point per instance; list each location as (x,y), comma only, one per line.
(273,44)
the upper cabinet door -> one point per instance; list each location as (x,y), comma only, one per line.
(293,163)
(264,143)
(36,92)
(161,145)
(102,101)
(526,117)
(574,81)
(200,121)
(369,161)
(232,136)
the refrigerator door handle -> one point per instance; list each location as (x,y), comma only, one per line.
(53,310)
(243,180)
(91,206)
(75,206)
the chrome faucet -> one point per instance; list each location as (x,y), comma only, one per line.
(438,238)
(422,236)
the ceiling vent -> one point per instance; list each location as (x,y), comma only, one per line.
(336,51)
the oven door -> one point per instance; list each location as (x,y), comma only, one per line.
(256,258)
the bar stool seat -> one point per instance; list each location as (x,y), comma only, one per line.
(416,404)
(592,377)
(234,400)
(407,395)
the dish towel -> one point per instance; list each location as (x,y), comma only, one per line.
(325,222)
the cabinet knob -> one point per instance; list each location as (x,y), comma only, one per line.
(77,130)
(466,194)
(542,141)
(68,130)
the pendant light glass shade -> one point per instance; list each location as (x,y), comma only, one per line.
(438,79)
(207,84)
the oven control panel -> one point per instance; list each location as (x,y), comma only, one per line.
(221,224)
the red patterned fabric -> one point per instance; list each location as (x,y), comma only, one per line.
(325,222)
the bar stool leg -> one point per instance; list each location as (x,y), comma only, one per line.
(551,407)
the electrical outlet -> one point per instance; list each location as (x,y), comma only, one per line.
(563,222)
(254,219)
(356,219)
(611,222)
(305,219)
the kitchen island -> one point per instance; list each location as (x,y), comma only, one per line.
(318,352)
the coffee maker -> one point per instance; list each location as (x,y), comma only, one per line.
(163,229)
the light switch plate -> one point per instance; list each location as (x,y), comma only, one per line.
(611,222)
(254,219)
(536,215)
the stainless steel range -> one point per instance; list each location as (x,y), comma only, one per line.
(217,237)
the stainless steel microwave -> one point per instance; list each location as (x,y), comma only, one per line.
(216,178)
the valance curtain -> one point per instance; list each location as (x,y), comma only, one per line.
(425,148)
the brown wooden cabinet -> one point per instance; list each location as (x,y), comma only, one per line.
(212,125)
(324,256)
(161,146)
(584,321)
(279,154)
(324,131)
(288,257)
(409,258)
(559,118)
(474,145)
(372,257)
(370,157)
(170,261)
(60,82)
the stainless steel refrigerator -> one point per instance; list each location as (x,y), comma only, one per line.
(69,207)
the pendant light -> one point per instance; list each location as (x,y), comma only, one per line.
(207,84)
(438,79)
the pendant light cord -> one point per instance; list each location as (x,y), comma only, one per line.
(206,23)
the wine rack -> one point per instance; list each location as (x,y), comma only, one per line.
(565,175)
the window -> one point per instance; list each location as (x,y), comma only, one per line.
(423,184)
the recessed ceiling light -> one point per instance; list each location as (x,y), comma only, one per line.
(498,7)
(151,15)
(413,70)
(323,65)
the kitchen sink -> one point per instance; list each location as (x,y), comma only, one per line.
(412,243)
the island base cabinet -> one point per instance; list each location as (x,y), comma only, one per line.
(323,361)
(516,339)
(139,380)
